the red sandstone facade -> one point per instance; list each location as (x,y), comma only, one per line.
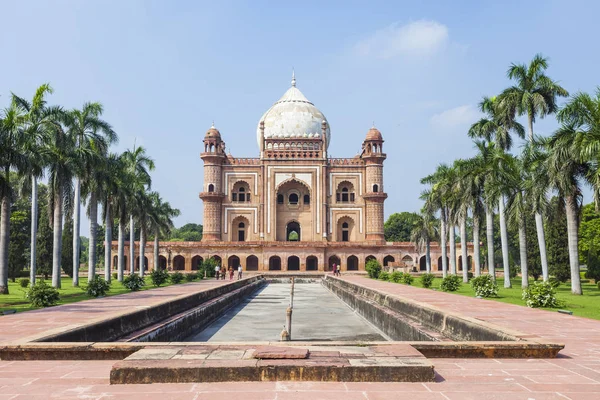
(292,208)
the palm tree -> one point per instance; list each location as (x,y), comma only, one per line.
(138,165)
(109,191)
(537,186)
(573,157)
(498,126)
(160,221)
(423,232)
(518,208)
(61,154)
(438,198)
(88,130)
(534,95)
(12,157)
(38,121)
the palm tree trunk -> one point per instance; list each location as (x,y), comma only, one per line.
(523,252)
(476,249)
(156,265)
(444,250)
(92,256)
(4,238)
(539,226)
(57,239)
(530,121)
(489,233)
(504,242)
(142,250)
(428,257)
(76,231)
(452,234)
(463,248)
(131,247)
(34,229)
(572,232)
(107,243)
(121,251)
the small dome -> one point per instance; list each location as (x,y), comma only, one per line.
(374,134)
(213,133)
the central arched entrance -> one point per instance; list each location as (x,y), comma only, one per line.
(352,263)
(252,263)
(234,262)
(292,231)
(312,263)
(293,263)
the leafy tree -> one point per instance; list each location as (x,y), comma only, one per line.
(187,233)
(398,226)
(589,231)
(593,265)
(558,245)
(19,239)
(44,236)
(67,247)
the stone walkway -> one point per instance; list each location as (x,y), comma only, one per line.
(28,325)
(574,375)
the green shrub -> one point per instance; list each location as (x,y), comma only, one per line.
(97,287)
(200,274)
(24,282)
(42,295)
(190,277)
(598,284)
(115,276)
(396,277)
(208,266)
(451,283)
(407,279)
(373,268)
(134,282)
(384,276)
(159,277)
(555,282)
(469,275)
(541,294)
(484,286)
(176,277)
(427,280)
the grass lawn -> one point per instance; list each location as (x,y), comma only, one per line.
(587,305)
(16,300)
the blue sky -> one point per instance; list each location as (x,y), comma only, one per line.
(164,70)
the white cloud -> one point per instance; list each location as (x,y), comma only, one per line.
(421,37)
(461,116)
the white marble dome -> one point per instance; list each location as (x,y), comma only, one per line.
(292,116)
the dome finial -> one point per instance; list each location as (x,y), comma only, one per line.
(213,124)
(293,77)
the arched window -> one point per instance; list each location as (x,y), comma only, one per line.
(240,192)
(375,188)
(211,188)
(241,225)
(306,199)
(293,198)
(345,193)
(279,199)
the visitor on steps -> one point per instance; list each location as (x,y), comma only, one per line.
(217,268)
(239,272)
(230,273)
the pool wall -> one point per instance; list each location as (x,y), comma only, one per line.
(404,319)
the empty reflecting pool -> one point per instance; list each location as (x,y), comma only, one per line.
(317,315)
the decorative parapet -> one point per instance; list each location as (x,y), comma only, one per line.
(345,161)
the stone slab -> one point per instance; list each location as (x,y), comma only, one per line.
(278,353)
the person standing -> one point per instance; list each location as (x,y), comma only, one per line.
(230,273)
(239,272)
(217,271)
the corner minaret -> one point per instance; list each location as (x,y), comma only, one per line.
(212,193)
(375,195)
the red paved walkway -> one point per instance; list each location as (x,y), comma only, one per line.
(575,375)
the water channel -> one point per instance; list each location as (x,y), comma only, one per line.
(318,315)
